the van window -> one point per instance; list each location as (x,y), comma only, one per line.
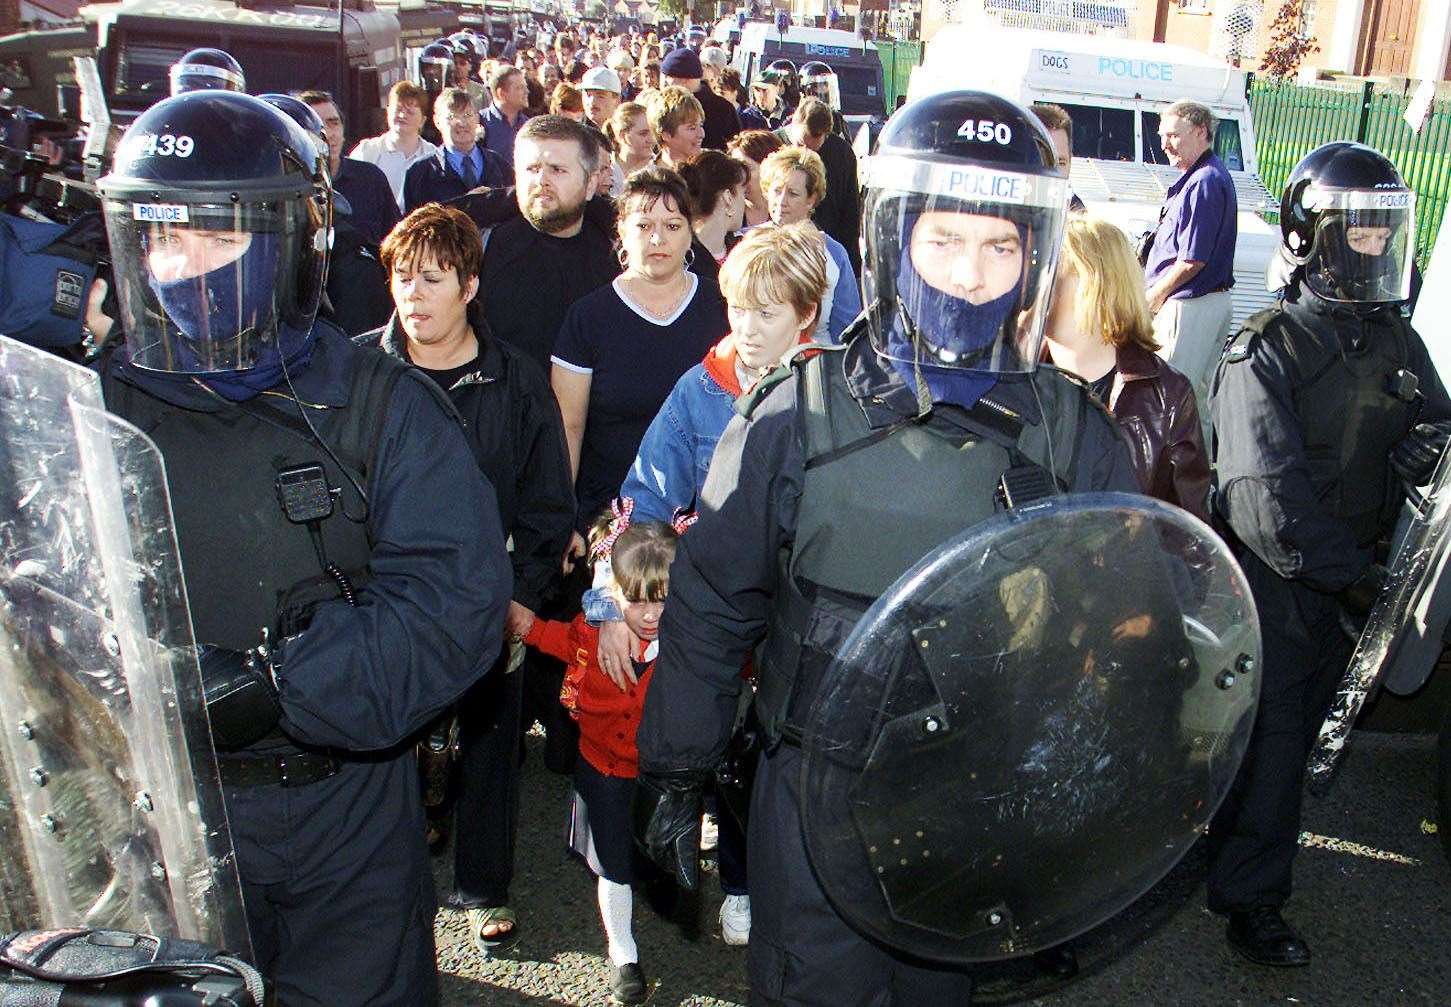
(1227,144)
(1103,133)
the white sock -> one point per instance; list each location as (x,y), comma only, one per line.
(617,905)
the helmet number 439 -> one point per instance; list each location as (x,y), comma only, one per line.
(986,131)
(164,145)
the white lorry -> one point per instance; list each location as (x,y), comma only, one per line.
(1114,90)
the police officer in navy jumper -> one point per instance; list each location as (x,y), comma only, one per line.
(1322,406)
(842,472)
(295,462)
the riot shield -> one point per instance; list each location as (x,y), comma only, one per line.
(112,811)
(1404,632)
(1030,728)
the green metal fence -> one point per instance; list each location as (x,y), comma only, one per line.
(898,59)
(1292,119)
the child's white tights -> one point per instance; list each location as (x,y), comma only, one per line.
(617,904)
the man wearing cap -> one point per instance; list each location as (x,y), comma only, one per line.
(682,68)
(601,87)
(713,60)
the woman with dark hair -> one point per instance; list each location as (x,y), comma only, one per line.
(717,184)
(622,348)
(751,148)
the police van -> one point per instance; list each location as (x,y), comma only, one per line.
(857,65)
(1114,90)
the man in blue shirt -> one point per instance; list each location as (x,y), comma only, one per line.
(1190,268)
(461,164)
(503,118)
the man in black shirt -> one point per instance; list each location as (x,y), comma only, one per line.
(839,212)
(534,268)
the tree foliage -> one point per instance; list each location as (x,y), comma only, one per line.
(1288,44)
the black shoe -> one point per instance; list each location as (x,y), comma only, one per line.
(627,985)
(1060,962)
(1262,936)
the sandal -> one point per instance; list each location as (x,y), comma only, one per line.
(498,917)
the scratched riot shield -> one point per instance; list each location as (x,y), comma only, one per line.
(1030,728)
(111,814)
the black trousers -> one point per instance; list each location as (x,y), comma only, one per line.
(1254,837)
(486,814)
(802,953)
(339,896)
(544,676)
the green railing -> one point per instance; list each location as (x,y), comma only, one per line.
(898,59)
(1292,119)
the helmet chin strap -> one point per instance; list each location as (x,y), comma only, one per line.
(924,395)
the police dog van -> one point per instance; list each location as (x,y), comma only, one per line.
(1115,90)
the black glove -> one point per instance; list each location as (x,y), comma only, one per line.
(666,812)
(1415,457)
(241,696)
(1358,598)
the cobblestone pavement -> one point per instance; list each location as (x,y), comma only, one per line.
(1373,898)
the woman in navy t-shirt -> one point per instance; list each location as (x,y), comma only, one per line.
(622,348)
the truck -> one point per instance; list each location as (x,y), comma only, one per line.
(36,65)
(1115,90)
(856,62)
(352,51)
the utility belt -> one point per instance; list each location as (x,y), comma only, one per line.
(285,769)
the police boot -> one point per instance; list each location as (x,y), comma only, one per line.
(1059,961)
(1262,936)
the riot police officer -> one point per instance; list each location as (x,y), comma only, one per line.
(207,70)
(1320,407)
(818,80)
(294,461)
(841,473)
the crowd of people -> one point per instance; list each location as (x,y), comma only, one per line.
(590,496)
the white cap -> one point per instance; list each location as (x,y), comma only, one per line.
(714,55)
(619,60)
(600,78)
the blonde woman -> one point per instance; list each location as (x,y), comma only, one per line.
(678,122)
(794,180)
(1099,328)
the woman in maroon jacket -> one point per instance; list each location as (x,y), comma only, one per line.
(1099,328)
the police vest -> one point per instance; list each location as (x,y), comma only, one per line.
(246,565)
(874,502)
(1350,409)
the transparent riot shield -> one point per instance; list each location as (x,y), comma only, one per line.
(1030,728)
(1405,631)
(112,811)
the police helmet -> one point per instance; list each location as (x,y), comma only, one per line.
(207,70)
(819,81)
(781,72)
(435,66)
(964,216)
(299,112)
(1348,224)
(218,212)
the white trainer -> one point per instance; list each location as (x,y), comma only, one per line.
(735,920)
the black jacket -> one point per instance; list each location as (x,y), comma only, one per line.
(723,582)
(430,616)
(514,430)
(1273,495)
(433,181)
(721,120)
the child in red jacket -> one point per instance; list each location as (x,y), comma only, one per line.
(639,558)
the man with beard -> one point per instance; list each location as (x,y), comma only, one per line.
(533,269)
(536,267)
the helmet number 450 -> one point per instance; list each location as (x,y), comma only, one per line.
(986,131)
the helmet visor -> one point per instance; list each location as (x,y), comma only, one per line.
(960,260)
(205,287)
(1364,245)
